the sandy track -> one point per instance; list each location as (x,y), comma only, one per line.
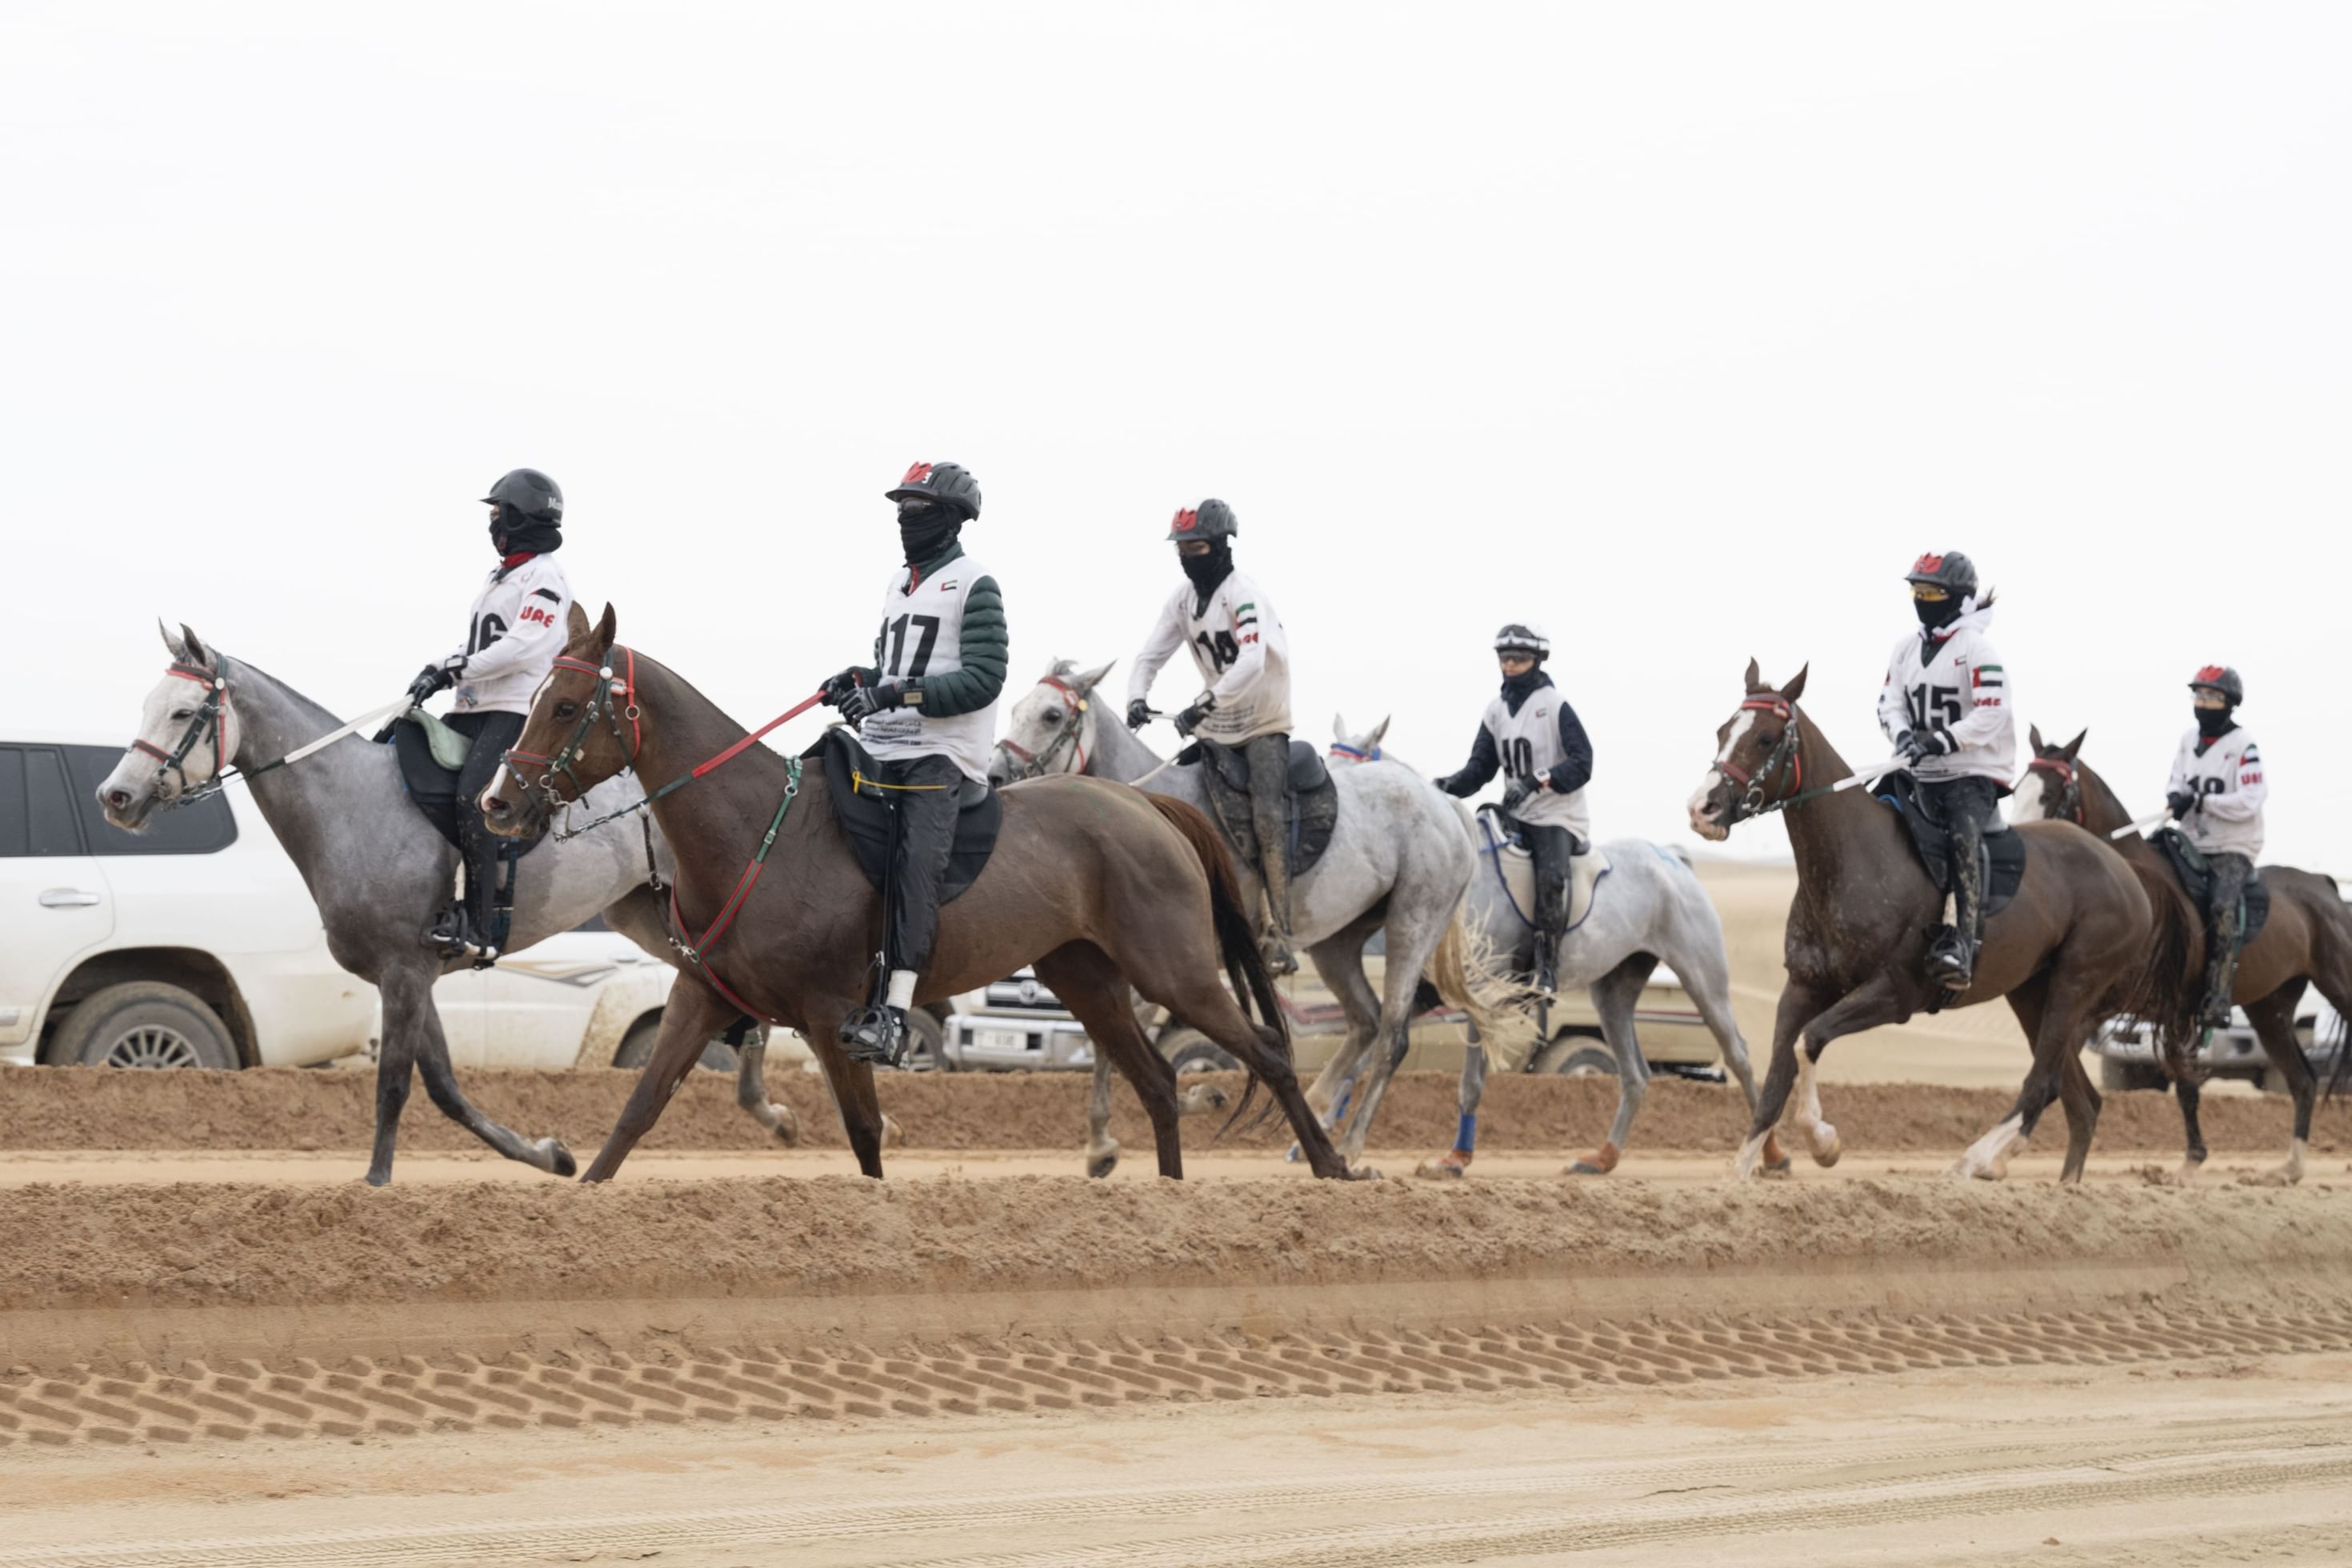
(75,1109)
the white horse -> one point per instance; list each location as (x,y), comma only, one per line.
(1648,906)
(1397,863)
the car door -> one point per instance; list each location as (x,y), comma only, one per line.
(55,904)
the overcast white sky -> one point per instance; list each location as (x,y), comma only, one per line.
(1682,327)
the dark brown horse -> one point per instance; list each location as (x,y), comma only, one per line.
(2307,940)
(2069,947)
(1102,887)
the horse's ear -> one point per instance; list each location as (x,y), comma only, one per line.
(171,643)
(1338,725)
(2074,748)
(575,622)
(1796,688)
(1088,681)
(2033,733)
(1378,730)
(1755,676)
(193,648)
(607,628)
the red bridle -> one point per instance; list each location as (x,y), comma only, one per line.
(211,718)
(2069,783)
(1073,704)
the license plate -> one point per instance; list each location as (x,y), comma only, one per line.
(1001,1039)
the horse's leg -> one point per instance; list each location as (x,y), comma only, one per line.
(1455,1161)
(394,1062)
(1797,1003)
(850,1083)
(751,1084)
(1096,994)
(2047,1007)
(1615,996)
(1873,1003)
(1700,963)
(431,1049)
(1412,933)
(1339,963)
(693,1013)
(2274,1021)
(1102,1149)
(2082,1102)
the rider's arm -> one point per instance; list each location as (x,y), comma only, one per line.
(1987,696)
(538,635)
(1166,638)
(1892,717)
(1574,770)
(983,647)
(1473,776)
(1250,663)
(2243,801)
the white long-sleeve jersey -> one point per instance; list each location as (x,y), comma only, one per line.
(1237,644)
(2226,777)
(1955,688)
(512,638)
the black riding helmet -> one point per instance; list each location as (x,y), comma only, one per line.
(2219,677)
(1212,518)
(1522,637)
(531,495)
(1952,572)
(947,484)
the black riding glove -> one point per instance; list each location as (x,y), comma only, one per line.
(2180,803)
(837,687)
(863,701)
(1190,719)
(432,678)
(1139,714)
(1516,794)
(1912,745)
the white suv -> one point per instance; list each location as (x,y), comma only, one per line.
(191,945)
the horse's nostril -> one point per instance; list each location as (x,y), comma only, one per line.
(118,798)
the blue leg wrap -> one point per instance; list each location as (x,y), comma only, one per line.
(1468,1136)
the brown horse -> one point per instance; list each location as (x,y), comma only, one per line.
(1100,887)
(2070,947)
(2307,940)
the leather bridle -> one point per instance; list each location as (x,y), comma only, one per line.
(1785,755)
(210,722)
(2068,807)
(613,700)
(1070,735)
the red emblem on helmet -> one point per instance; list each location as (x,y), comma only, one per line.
(2210,674)
(1928,564)
(1187,519)
(917,473)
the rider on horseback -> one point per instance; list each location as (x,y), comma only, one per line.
(1945,706)
(1237,644)
(517,629)
(2216,794)
(1534,736)
(926,708)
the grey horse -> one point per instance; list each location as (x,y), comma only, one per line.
(1398,864)
(379,870)
(1648,907)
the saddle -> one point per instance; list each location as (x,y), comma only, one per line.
(2004,850)
(430,754)
(1311,799)
(867,815)
(2195,874)
(1516,868)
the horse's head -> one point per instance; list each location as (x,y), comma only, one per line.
(1755,758)
(584,728)
(1052,730)
(1363,748)
(2051,790)
(187,733)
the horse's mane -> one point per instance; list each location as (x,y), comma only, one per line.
(310,709)
(2163,992)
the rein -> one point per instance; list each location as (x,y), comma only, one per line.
(1786,754)
(2069,805)
(1037,764)
(210,721)
(696,951)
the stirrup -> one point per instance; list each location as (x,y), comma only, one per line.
(452,935)
(1951,959)
(1279,960)
(876,1035)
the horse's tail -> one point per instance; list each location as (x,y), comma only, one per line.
(1465,974)
(1236,939)
(2162,994)
(2329,913)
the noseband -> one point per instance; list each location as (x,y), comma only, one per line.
(1037,764)
(206,725)
(1784,755)
(614,700)
(2068,807)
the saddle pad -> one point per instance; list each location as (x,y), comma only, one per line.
(431,785)
(1314,812)
(1932,841)
(868,821)
(450,747)
(2189,864)
(1516,869)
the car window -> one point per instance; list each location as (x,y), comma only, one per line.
(36,814)
(203,828)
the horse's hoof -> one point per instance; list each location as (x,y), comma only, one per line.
(1603,1160)
(891,1136)
(379,1178)
(1775,1157)
(1452,1163)
(1826,1147)
(559,1162)
(1293,1156)
(1101,1165)
(1778,1169)
(1364,1173)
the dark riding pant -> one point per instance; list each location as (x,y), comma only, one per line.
(924,834)
(1969,809)
(2226,923)
(1553,848)
(491,735)
(1269,788)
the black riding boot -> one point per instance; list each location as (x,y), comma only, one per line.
(924,820)
(1553,849)
(2227,931)
(1968,805)
(464,930)
(1269,773)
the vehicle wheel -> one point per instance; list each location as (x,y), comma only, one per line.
(926,1041)
(637,1047)
(2123,1078)
(144,1023)
(1575,1055)
(1188,1050)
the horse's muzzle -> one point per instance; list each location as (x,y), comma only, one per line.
(508,809)
(127,804)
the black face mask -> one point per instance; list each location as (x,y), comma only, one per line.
(1935,614)
(2212,723)
(1206,571)
(926,528)
(512,534)
(1518,688)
